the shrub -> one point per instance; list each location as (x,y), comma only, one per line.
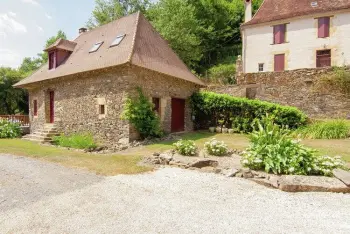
(77,141)
(332,129)
(216,148)
(223,74)
(274,151)
(9,129)
(209,108)
(139,111)
(338,79)
(186,147)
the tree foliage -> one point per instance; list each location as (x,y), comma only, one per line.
(108,10)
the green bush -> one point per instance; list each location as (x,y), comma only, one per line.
(223,74)
(216,148)
(9,129)
(338,79)
(210,109)
(274,151)
(186,147)
(332,129)
(77,141)
(139,112)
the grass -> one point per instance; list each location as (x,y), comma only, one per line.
(77,141)
(325,129)
(111,164)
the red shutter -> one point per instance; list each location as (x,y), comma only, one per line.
(279,32)
(279,62)
(35,104)
(323,27)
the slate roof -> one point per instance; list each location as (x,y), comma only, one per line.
(272,10)
(142,46)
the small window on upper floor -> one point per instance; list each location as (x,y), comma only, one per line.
(279,33)
(95,47)
(52,60)
(323,27)
(35,107)
(261,67)
(117,40)
(102,110)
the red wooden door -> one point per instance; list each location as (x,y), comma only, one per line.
(279,62)
(52,106)
(177,115)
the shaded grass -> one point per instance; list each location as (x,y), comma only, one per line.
(104,164)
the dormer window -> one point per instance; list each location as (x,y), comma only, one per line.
(95,47)
(52,60)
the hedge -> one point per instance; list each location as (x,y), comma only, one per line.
(212,109)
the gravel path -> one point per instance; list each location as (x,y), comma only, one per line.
(173,200)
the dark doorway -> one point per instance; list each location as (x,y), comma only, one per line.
(52,106)
(177,115)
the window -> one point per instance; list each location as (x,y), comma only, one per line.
(156,102)
(52,60)
(323,27)
(279,34)
(102,110)
(279,62)
(35,107)
(261,67)
(117,40)
(96,47)
(323,58)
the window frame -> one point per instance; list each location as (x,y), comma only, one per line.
(113,44)
(326,30)
(35,108)
(96,47)
(276,28)
(52,60)
(319,56)
(157,107)
(102,109)
(261,65)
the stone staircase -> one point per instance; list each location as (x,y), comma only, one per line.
(43,135)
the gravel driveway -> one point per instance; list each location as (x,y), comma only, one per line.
(54,199)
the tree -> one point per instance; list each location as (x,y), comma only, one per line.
(43,56)
(108,10)
(13,101)
(177,23)
(29,65)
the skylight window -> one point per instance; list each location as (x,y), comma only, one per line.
(96,47)
(117,40)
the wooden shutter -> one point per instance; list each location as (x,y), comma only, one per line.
(323,27)
(35,104)
(279,62)
(279,32)
(323,58)
(52,60)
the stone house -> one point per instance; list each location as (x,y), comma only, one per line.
(86,82)
(290,34)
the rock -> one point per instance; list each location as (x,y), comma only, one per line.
(247,173)
(165,158)
(239,175)
(272,182)
(204,163)
(203,154)
(156,154)
(217,170)
(231,172)
(261,174)
(295,183)
(208,169)
(342,175)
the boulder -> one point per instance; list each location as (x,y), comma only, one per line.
(165,158)
(295,183)
(247,173)
(271,182)
(231,172)
(342,175)
(204,163)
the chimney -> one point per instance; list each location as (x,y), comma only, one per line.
(82,30)
(248,10)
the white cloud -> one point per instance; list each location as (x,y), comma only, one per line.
(12,14)
(9,58)
(34,2)
(48,16)
(9,25)
(40,29)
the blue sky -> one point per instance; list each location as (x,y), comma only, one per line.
(25,25)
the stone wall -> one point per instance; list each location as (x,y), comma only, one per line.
(77,100)
(298,88)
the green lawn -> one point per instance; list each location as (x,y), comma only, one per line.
(111,164)
(127,162)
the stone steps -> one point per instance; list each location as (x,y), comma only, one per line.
(43,135)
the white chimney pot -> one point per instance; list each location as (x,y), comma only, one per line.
(248,10)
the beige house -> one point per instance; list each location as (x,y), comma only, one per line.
(295,34)
(86,82)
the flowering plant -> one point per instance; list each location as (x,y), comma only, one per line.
(9,129)
(272,150)
(186,147)
(216,148)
